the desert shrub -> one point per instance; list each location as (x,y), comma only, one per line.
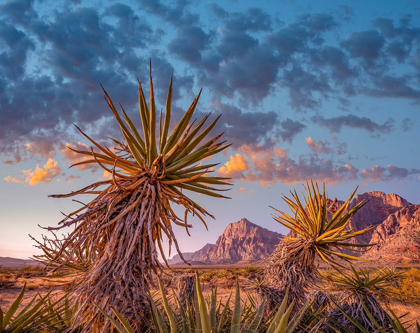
(32,286)
(407,290)
(6,282)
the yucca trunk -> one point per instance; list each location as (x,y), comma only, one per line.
(292,266)
(362,308)
(122,227)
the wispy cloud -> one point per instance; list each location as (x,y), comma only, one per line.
(335,124)
(13,179)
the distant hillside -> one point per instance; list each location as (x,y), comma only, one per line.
(241,242)
(6,262)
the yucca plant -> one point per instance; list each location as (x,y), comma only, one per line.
(120,232)
(214,315)
(352,325)
(358,294)
(41,314)
(317,232)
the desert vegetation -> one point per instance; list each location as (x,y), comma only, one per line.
(114,276)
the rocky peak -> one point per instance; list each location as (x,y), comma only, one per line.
(241,241)
(378,207)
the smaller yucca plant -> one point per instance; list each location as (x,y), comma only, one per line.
(318,231)
(363,282)
(358,294)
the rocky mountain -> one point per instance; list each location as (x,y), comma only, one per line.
(241,242)
(397,221)
(379,206)
(398,237)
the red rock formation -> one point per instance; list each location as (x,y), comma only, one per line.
(398,237)
(241,242)
(379,206)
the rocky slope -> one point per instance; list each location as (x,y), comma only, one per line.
(379,206)
(398,237)
(241,242)
(397,221)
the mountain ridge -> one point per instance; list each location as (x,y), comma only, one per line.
(240,242)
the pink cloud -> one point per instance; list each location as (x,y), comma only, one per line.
(74,157)
(322,147)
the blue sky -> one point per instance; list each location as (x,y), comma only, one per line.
(307,89)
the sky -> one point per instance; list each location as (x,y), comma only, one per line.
(324,90)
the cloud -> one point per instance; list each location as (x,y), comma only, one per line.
(318,21)
(244,190)
(302,85)
(366,45)
(321,147)
(60,86)
(245,128)
(379,173)
(340,147)
(189,44)
(45,175)
(407,124)
(289,129)
(51,64)
(105,176)
(276,166)
(251,19)
(13,180)
(336,124)
(74,157)
(234,168)
(336,60)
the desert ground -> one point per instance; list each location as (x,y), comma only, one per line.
(405,301)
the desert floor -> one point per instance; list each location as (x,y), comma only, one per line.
(12,281)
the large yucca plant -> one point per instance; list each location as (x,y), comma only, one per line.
(319,230)
(117,236)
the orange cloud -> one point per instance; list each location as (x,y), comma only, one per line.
(105,175)
(234,168)
(13,179)
(44,175)
(74,157)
